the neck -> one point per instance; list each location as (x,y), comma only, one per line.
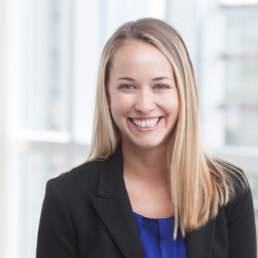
(148,164)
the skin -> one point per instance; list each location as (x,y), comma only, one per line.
(142,86)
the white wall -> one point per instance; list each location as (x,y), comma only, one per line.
(2,128)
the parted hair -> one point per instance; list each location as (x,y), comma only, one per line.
(199,183)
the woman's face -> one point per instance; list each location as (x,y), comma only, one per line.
(142,94)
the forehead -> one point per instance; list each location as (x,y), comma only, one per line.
(137,54)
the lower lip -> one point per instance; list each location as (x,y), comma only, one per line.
(145,129)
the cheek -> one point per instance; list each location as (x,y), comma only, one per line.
(120,104)
(175,105)
(171,104)
(119,113)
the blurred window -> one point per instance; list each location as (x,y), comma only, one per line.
(52,53)
(241,75)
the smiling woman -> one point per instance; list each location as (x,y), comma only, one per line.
(147,189)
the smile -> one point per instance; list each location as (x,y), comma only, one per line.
(145,123)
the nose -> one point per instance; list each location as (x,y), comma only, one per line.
(145,101)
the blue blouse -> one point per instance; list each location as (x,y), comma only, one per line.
(157,238)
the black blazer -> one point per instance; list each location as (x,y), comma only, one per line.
(87,214)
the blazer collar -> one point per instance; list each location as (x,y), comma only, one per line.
(113,206)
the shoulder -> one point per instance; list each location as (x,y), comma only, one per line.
(84,171)
(235,221)
(235,178)
(240,217)
(235,183)
(82,179)
(240,200)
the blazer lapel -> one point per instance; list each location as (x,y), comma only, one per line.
(113,206)
(199,242)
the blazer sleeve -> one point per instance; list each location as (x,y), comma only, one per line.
(56,235)
(241,227)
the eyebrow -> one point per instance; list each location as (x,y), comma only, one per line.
(154,79)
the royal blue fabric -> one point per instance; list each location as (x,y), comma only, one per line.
(157,238)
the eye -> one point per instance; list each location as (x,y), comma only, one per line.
(161,86)
(126,87)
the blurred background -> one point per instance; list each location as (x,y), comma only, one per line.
(49,54)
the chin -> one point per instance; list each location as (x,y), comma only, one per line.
(148,144)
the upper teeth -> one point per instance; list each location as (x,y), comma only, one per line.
(146,123)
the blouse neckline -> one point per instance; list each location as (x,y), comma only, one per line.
(159,219)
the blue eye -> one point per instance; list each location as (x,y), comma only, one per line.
(126,86)
(161,86)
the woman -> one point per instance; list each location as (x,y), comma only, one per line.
(148,189)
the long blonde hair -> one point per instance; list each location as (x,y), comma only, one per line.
(199,183)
